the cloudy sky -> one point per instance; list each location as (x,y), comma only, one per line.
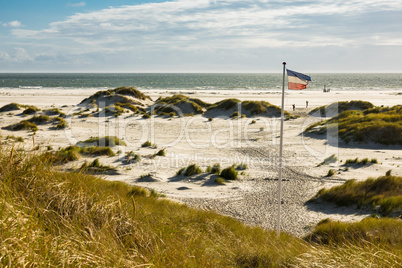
(200,35)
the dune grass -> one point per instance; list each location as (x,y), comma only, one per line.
(11,107)
(381,125)
(108,141)
(77,220)
(341,106)
(31,110)
(176,103)
(384,191)
(72,153)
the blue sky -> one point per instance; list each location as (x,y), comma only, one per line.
(200,36)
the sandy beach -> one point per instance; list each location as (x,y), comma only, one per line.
(252,198)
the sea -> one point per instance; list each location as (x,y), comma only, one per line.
(197,81)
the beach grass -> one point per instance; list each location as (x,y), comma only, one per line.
(108,141)
(341,106)
(384,191)
(381,125)
(77,220)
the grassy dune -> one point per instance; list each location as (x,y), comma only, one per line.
(384,191)
(52,218)
(381,125)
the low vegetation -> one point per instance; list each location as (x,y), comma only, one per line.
(381,125)
(384,191)
(190,170)
(23,125)
(229,173)
(11,107)
(31,110)
(77,220)
(108,141)
(179,104)
(95,167)
(72,153)
(329,160)
(125,91)
(149,144)
(358,161)
(341,106)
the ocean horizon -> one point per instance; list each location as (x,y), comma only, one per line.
(197,81)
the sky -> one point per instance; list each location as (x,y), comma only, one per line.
(200,36)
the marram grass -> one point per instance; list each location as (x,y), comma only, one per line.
(59,219)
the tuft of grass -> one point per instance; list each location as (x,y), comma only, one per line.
(95,167)
(72,153)
(53,111)
(31,110)
(229,173)
(190,170)
(331,173)
(108,141)
(364,161)
(384,191)
(161,153)
(388,173)
(149,144)
(242,166)
(23,125)
(220,181)
(210,119)
(328,160)
(14,138)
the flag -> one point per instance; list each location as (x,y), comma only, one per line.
(297,80)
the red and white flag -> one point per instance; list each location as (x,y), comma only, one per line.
(297,80)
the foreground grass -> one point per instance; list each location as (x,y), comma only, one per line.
(73,219)
(59,219)
(384,191)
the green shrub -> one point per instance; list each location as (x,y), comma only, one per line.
(229,173)
(146,116)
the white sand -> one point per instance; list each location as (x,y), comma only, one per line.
(251,199)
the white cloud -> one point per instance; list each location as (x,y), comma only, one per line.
(80,4)
(20,55)
(226,23)
(210,27)
(14,24)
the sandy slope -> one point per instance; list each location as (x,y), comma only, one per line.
(251,199)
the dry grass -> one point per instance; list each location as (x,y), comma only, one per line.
(76,220)
(384,191)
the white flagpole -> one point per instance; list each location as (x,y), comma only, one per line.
(278,228)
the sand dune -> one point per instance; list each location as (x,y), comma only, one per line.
(252,140)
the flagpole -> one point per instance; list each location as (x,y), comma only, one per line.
(278,227)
